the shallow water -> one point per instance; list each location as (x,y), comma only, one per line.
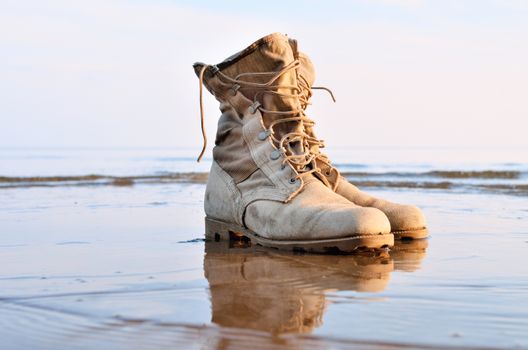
(502,171)
(125,266)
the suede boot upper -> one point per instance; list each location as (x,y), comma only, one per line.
(264,175)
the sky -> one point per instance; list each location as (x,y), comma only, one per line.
(118,73)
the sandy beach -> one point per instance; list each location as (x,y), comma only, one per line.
(107,105)
(105,265)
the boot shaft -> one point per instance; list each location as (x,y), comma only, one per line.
(266,75)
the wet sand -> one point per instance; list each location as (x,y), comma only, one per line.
(126,267)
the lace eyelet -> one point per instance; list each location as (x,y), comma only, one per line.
(234,89)
(214,69)
(293,180)
(263,135)
(328,173)
(275,155)
(254,107)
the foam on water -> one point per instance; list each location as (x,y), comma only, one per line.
(504,171)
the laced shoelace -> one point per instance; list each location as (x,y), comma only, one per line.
(305,162)
(318,155)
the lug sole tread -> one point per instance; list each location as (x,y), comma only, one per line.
(218,230)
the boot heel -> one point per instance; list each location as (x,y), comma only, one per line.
(215,231)
(225,235)
(221,231)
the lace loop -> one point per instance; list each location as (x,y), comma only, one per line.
(304,162)
(326,89)
(202,122)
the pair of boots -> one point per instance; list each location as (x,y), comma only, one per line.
(269,182)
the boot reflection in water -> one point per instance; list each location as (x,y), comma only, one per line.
(409,254)
(284,293)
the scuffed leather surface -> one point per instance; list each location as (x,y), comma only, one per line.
(402,217)
(222,197)
(315,213)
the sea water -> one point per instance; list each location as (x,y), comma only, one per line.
(103,248)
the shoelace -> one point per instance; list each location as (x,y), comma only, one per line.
(323,158)
(299,161)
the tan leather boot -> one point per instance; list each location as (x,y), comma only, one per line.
(406,221)
(262,183)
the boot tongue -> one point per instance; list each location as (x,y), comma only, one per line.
(270,54)
(267,55)
(307,78)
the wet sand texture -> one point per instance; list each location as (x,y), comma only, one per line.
(126,267)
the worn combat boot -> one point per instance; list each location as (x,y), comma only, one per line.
(264,183)
(406,221)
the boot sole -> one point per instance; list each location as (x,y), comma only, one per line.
(411,234)
(216,230)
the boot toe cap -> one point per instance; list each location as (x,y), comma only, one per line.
(351,222)
(321,222)
(371,221)
(406,217)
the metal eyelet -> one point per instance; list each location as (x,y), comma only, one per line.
(283,166)
(293,180)
(214,69)
(253,108)
(275,155)
(328,173)
(234,89)
(264,135)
